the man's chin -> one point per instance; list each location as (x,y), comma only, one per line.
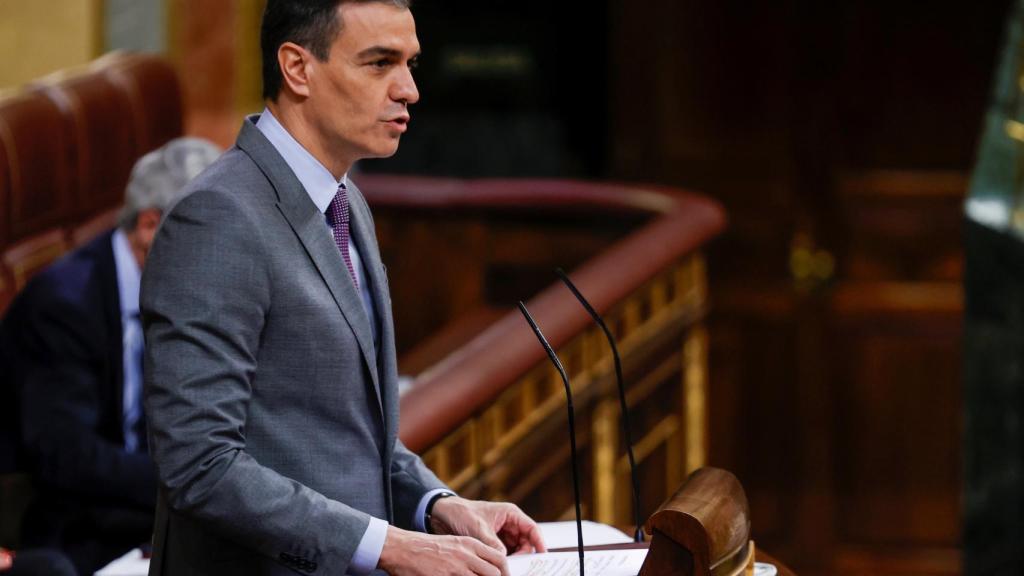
(385,150)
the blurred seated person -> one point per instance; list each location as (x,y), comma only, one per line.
(72,345)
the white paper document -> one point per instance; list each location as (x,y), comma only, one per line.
(563,534)
(595,563)
(131,564)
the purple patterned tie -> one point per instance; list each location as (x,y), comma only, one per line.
(337,217)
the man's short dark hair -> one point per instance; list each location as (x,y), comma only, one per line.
(312,24)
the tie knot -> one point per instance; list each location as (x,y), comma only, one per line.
(337,211)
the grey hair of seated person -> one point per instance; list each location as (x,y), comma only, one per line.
(159,178)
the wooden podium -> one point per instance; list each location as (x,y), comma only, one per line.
(702,530)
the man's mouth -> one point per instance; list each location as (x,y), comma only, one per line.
(399,123)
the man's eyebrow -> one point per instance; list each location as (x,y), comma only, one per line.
(379,51)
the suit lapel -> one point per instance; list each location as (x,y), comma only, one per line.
(362,232)
(309,225)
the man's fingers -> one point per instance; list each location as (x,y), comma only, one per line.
(492,542)
(480,567)
(523,547)
(486,534)
(492,556)
(526,529)
(536,540)
(531,530)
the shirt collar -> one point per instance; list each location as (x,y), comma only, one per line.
(315,178)
(128,274)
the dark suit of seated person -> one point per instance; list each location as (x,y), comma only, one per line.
(72,344)
(36,562)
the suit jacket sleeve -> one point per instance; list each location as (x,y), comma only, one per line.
(61,368)
(410,481)
(205,293)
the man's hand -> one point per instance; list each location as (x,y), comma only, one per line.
(500,525)
(414,554)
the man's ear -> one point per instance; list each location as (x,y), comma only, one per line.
(295,61)
(148,220)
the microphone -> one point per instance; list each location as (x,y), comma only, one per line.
(572,423)
(638,536)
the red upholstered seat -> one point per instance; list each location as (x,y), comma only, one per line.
(36,165)
(98,114)
(154,95)
(67,146)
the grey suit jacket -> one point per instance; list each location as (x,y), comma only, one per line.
(273,420)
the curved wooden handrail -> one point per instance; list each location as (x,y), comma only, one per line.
(470,378)
(423,193)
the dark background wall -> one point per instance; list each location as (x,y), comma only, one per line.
(509,89)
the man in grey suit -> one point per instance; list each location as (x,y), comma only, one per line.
(271,380)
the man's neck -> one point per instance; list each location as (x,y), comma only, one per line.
(290,117)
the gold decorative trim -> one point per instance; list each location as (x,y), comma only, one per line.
(695,397)
(605,446)
(658,436)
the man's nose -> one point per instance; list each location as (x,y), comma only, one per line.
(404,88)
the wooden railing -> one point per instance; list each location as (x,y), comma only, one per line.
(489,417)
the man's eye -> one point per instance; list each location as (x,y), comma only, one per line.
(382,63)
(414,64)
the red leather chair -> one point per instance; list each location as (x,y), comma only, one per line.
(154,95)
(36,165)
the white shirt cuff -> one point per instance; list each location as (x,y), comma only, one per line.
(419,520)
(368,552)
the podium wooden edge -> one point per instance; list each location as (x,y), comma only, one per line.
(703,529)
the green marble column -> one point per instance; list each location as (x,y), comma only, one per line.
(993,498)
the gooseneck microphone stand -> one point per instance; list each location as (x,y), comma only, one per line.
(572,424)
(638,535)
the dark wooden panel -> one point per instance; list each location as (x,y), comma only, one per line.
(756,427)
(844,132)
(915,82)
(897,352)
(902,225)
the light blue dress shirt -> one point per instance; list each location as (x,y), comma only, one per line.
(321,187)
(128,278)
